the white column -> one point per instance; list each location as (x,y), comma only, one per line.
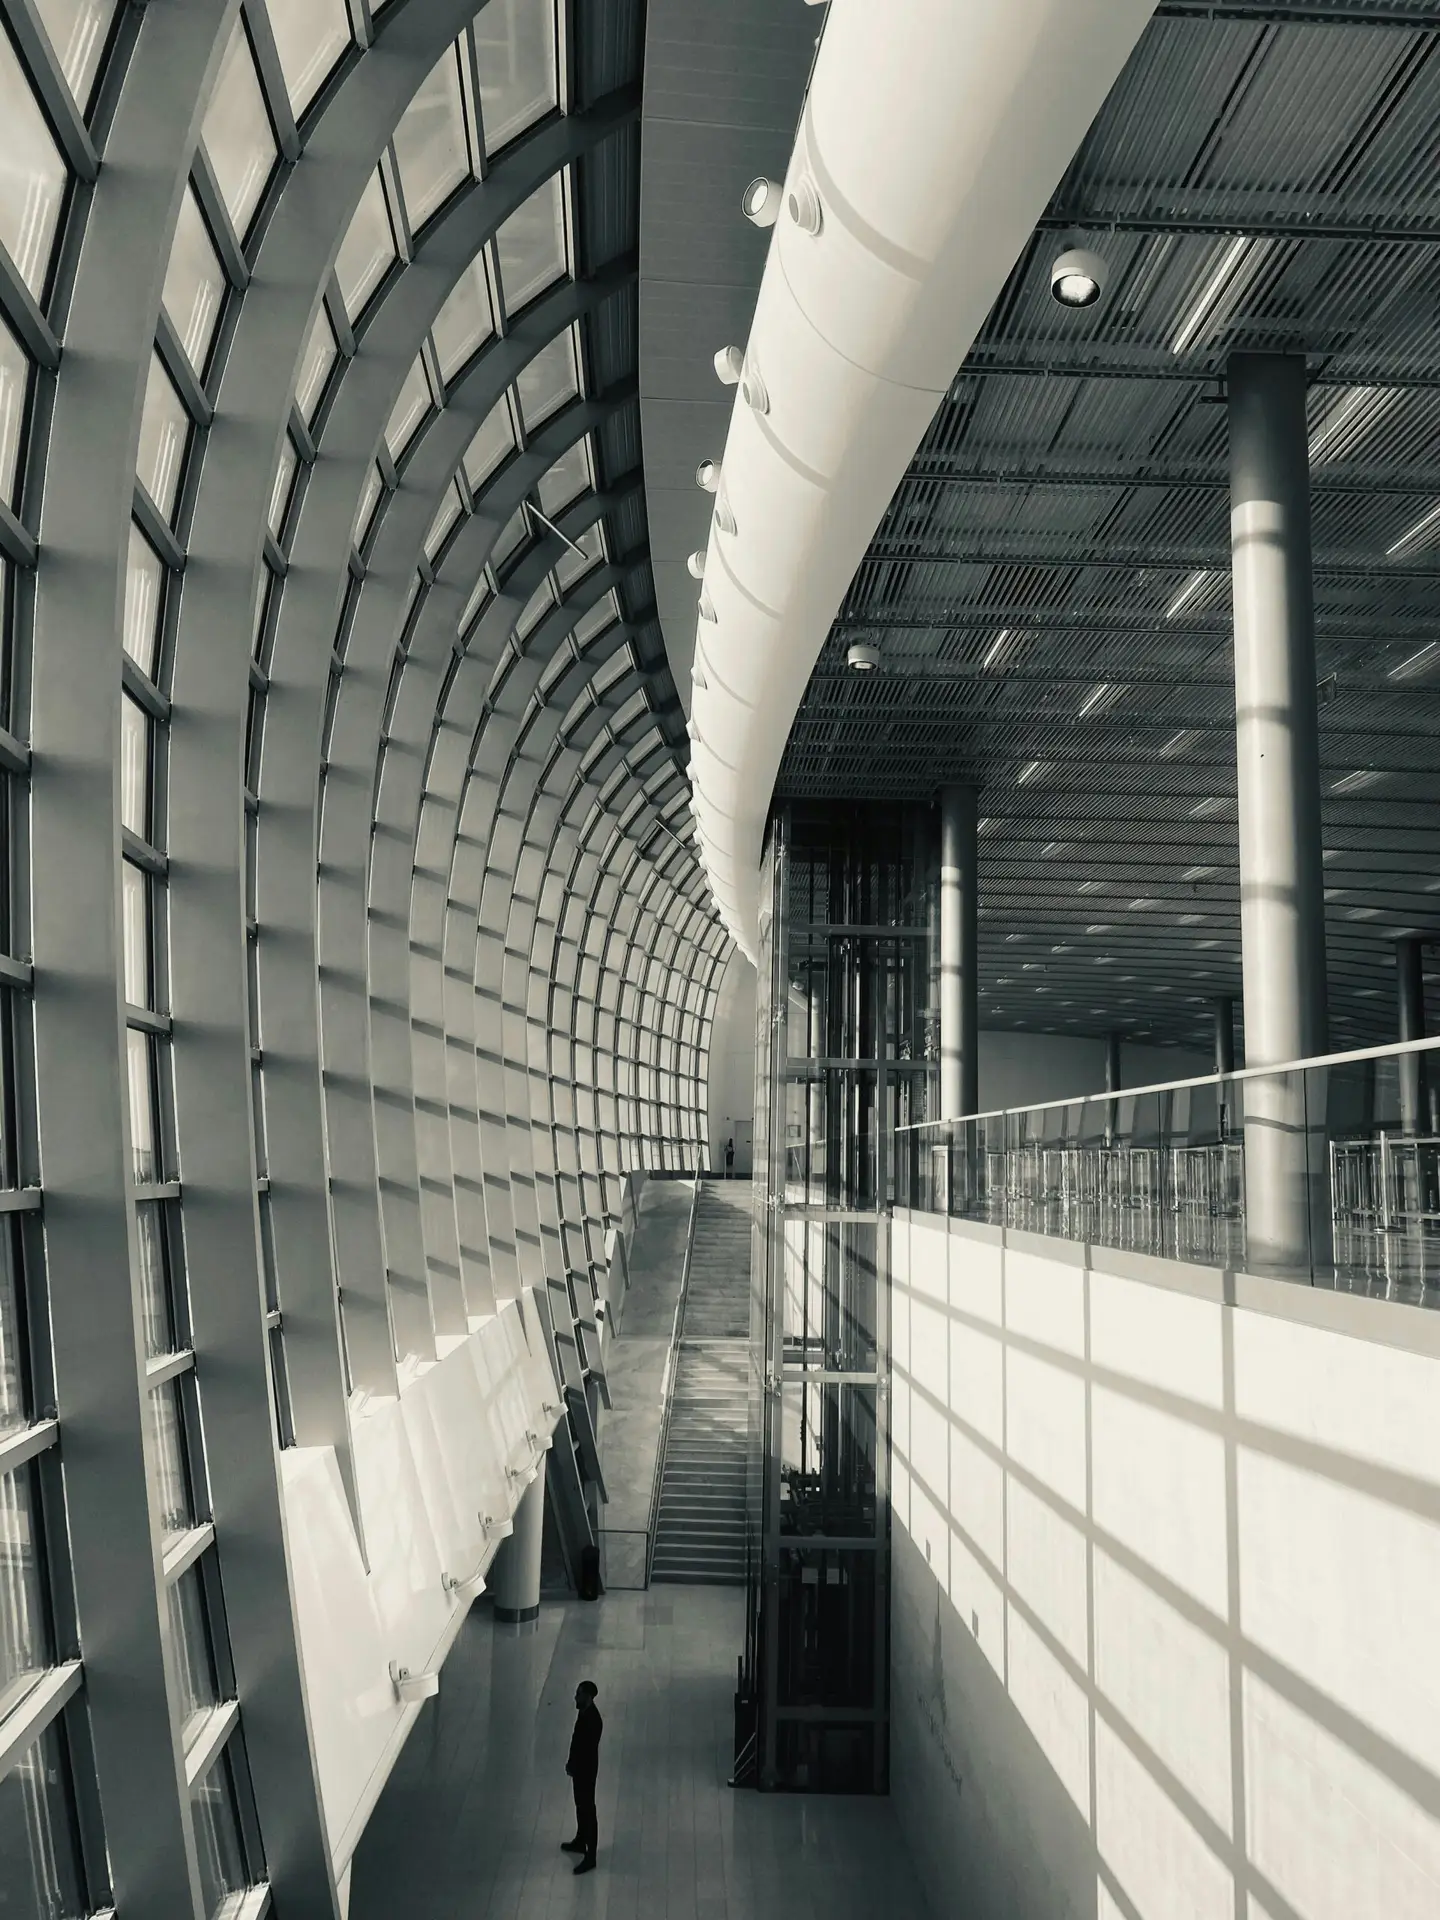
(959,1007)
(1282,922)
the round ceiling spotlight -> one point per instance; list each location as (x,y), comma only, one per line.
(695,565)
(1077,279)
(760,202)
(863,657)
(707,475)
(729,362)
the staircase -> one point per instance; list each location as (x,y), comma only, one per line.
(700,1525)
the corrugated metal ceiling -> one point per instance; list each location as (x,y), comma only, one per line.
(1050,587)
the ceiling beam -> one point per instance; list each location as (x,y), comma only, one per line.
(1298,13)
(1139,559)
(1211,477)
(983,363)
(1250,224)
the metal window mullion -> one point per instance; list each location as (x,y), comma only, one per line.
(187,1549)
(217,218)
(51,91)
(17,543)
(34,1712)
(394,190)
(183,376)
(27,322)
(157,530)
(206,1750)
(272,80)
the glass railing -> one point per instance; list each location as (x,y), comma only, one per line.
(1326,1171)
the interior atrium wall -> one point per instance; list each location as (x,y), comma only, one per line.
(1026,1069)
(732,1066)
(1163,1545)
(352,952)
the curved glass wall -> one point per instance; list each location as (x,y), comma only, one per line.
(353,951)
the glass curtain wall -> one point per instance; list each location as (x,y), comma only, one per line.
(846,1054)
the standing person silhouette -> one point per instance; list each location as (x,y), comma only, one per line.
(582,1767)
(729,1158)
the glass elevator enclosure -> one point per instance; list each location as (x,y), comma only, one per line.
(847,1053)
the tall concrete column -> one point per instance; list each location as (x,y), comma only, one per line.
(959,949)
(1112,1083)
(1223,1009)
(1410,985)
(515,1573)
(1282,924)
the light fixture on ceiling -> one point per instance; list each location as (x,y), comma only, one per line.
(729,364)
(724,514)
(1077,277)
(707,475)
(862,657)
(753,390)
(1221,290)
(760,202)
(695,565)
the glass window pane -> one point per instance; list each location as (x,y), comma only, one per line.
(548,381)
(512,537)
(315,364)
(494,438)
(164,433)
(135,908)
(515,48)
(144,584)
(194,283)
(140,1062)
(430,146)
(39,1847)
(531,245)
(169,1483)
(368,498)
(24,1632)
(190,1642)
(367,249)
(217,1836)
(464,323)
(14,386)
(134,767)
(14,1410)
(79,31)
(283,482)
(566,480)
(410,409)
(310,36)
(596,620)
(570,566)
(32,175)
(155,1301)
(239,139)
(450,510)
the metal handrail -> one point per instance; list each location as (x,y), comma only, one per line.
(667,1389)
(1394,1051)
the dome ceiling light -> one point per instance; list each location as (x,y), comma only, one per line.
(863,657)
(1078,277)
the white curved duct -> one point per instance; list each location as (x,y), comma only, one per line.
(933,135)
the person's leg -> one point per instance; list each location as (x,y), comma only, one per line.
(577,1845)
(587,1822)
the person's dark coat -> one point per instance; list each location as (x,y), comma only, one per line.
(584,1761)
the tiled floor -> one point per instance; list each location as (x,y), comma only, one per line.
(470,1823)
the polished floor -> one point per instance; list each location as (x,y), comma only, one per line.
(469,1826)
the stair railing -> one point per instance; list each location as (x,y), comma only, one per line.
(667,1390)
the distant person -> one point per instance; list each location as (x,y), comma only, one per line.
(729,1158)
(582,1767)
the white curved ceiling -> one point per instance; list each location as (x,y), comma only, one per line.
(931,139)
